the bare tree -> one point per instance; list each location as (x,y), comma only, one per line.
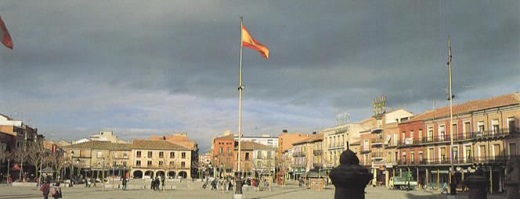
(35,156)
(6,156)
(59,162)
(21,155)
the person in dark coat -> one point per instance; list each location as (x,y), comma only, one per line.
(46,189)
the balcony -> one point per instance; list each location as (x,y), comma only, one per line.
(499,133)
(377,142)
(377,155)
(502,160)
(365,150)
(298,154)
(376,130)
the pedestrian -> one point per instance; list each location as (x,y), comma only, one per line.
(45,189)
(56,191)
(152,185)
(124,183)
(157,184)
(162,182)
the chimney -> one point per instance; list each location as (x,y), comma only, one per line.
(284,131)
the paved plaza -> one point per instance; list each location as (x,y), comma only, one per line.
(195,191)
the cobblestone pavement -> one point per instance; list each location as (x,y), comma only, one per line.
(290,191)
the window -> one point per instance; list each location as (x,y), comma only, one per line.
(430,154)
(149,163)
(229,150)
(183,164)
(512,149)
(247,156)
(442,132)
(456,154)
(430,134)
(183,155)
(420,135)
(149,154)
(99,154)
(259,155)
(455,131)
(124,163)
(138,163)
(511,124)
(495,126)
(496,150)
(221,150)
(269,155)
(125,155)
(161,154)
(481,126)
(172,163)
(172,155)
(467,129)
(443,154)
(161,163)
(467,153)
(481,152)
(412,157)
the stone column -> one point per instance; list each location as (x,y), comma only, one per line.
(349,178)
(477,184)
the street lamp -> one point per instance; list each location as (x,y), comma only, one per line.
(71,167)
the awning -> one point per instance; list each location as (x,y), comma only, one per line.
(441,171)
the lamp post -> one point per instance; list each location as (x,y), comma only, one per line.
(71,167)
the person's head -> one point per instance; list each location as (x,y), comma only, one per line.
(57,184)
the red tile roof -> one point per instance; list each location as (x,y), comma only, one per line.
(157,145)
(476,105)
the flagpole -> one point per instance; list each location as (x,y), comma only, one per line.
(238,180)
(452,172)
(240,89)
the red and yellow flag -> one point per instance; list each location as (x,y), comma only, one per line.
(250,42)
(4,35)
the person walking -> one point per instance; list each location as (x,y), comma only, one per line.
(56,191)
(124,183)
(45,189)
(162,182)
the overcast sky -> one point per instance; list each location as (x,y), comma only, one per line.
(144,68)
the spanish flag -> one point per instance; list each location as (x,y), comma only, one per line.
(250,42)
(4,35)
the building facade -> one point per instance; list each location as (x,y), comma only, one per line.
(484,133)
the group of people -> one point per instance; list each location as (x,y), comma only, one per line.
(54,191)
(222,184)
(157,184)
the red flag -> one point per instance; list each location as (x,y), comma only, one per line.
(250,42)
(4,35)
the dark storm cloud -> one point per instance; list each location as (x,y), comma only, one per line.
(174,64)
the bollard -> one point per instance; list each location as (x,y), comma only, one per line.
(238,189)
(477,184)
(349,178)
